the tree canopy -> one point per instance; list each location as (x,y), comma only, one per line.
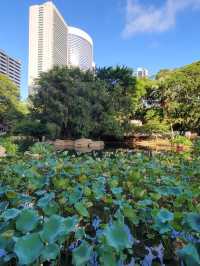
(81,104)
(11,108)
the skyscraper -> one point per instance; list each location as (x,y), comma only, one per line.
(10,67)
(142,72)
(52,42)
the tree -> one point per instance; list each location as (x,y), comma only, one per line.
(180,97)
(81,104)
(11,108)
(77,103)
(121,86)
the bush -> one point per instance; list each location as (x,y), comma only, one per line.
(31,128)
(9,145)
(41,148)
(196,146)
(181,140)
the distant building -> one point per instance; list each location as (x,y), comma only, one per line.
(142,72)
(52,42)
(10,67)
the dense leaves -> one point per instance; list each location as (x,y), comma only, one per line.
(72,103)
(99,209)
(11,108)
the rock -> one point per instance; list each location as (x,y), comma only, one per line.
(96,145)
(82,143)
(63,144)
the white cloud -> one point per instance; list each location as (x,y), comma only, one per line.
(148,18)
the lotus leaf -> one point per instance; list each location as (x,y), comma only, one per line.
(50,252)
(81,255)
(27,220)
(118,236)
(28,248)
(10,214)
(190,255)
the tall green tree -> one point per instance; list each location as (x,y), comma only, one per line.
(180,97)
(121,86)
(84,104)
(11,108)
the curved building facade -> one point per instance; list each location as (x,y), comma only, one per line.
(80,49)
(52,42)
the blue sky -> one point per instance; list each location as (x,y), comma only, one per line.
(151,33)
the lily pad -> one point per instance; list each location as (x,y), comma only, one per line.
(28,248)
(118,236)
(27,220)
(81,209)
(52,229)
(81,255)
(10,214)
(193,221)
(190,255)
(50,252)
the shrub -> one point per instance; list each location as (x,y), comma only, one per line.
(178,140)
(41,148)
(9,145)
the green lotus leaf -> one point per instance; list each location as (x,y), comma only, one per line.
(10,214)
(190,255)
(193,221)
(118,236)
(3,205)
(75,195)
(45,200)
(80,233)
(28,248)
(145,202)
(81,209)
(50,252)
(164,216)
(51,208)
(107,256)
(10,194)
(69,224)
(81,254)
(27,220)
(52,229)
(131,214)
(169,191)
(162,228)
(98,189)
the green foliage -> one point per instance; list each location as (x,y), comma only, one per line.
(179,94)
(190,255)
(81,255)
(196,146)
(41,148)
(72,103)
(28,248)
(11,109)
(99,208)
(181,140)
(9,145)
(27,221)
(33,128)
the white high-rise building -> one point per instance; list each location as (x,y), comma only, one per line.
(142,72)
(52,42)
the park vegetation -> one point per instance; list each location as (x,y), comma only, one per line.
(99,209)
(107,208)
(69,103)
